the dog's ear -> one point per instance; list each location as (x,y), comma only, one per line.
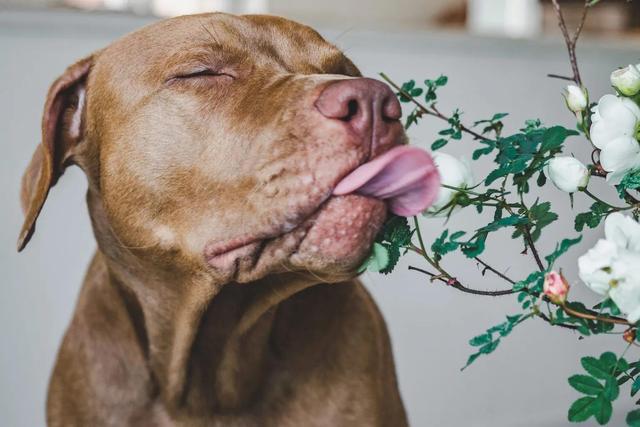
(62,131)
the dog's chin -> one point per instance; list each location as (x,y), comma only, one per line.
(340,236)
(330,245)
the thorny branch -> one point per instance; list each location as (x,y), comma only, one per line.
(571,40)
(455,283)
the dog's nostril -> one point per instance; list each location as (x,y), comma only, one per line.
(352,110)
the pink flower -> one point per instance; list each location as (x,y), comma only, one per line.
(556,287)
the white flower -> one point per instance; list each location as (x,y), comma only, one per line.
(615,125)
(594,267)
(612,266)
(454,173)
(625,289)
(567,173)
(576,98)
(626,80)
(623,231)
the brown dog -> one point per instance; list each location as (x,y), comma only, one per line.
(222,291)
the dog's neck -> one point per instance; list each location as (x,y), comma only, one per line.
(206,344)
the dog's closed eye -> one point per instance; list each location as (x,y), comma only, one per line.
(206,73)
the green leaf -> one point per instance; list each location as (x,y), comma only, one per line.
(486,342)
(582,409)
(531,278)
(472,358)
(602,410)
(395,235)
(474,247)
(555,136)
(396,230)
(591,218)
(496,117)
(635,387)
(595,367)
(439,143)
(507,221)
(608,359)
(611,389)
(379,258)
(412,119)
(489,347)
(482,151)
(607,305)
(407,87)
(586,384)
(441,246)
(560,249)
(394,257)
(541,216)
(542,179)
(633,418)
(480,340)
(531,125)
(458,234)
(515,319)
(442,80)
(630,181)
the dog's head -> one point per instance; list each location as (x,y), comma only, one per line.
(215,142)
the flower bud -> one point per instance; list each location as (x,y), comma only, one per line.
(629,335)
(626,80)
(567,173)
(454,172)
(576,98)
(555,287)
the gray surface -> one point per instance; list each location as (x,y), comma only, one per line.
(522,384)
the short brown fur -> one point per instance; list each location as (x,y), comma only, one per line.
(281,336)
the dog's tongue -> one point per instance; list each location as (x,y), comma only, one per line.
(405,176)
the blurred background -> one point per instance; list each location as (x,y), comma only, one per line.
(496,53)
(512,18)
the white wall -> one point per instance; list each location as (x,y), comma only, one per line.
(353,13)
(522,384)
(357,14)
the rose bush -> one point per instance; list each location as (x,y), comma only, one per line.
(504,199)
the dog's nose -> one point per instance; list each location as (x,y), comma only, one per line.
(366,105)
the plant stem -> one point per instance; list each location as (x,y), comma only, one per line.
(433,111)
(571,41)
(529,240)
(422,246)
(592,316)
(494,271)
(459,286)
(556,76)
(615,368)
(562,325)
(597,199)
